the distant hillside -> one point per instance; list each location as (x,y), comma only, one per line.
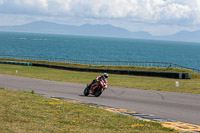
(86,29)
(185,36)
(98,30)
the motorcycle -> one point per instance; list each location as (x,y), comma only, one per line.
(96,88)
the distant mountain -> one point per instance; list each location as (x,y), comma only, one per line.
(184,36)
(86,29)
(98,30)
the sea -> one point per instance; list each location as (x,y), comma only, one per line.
(99,48)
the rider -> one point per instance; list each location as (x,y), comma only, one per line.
(99,78)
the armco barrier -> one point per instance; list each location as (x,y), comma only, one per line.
(176,75)
(104,63)
(16,63)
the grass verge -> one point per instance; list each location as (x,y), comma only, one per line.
(139,82)
(22,111)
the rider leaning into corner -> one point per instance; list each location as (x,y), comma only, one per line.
(103,77)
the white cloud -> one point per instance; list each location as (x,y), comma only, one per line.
(134,10)
(175,14)
(146,12)
(149,11)
(1,2)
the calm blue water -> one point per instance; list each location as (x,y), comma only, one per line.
(99,48)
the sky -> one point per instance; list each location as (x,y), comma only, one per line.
(158,17)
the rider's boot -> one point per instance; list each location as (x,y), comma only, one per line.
(89,86)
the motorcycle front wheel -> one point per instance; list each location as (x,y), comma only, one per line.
(98,92)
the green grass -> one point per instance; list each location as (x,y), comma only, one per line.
(139,82)
(22,112)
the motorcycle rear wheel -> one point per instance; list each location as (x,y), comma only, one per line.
(98,92)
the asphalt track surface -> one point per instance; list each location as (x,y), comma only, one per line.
(175,106)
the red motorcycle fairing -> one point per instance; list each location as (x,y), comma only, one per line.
(93,87)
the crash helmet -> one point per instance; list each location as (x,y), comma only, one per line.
(105,75)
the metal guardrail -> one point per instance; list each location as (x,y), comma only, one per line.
(107,63)
(16,63)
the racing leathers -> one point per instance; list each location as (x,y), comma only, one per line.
(98,78)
